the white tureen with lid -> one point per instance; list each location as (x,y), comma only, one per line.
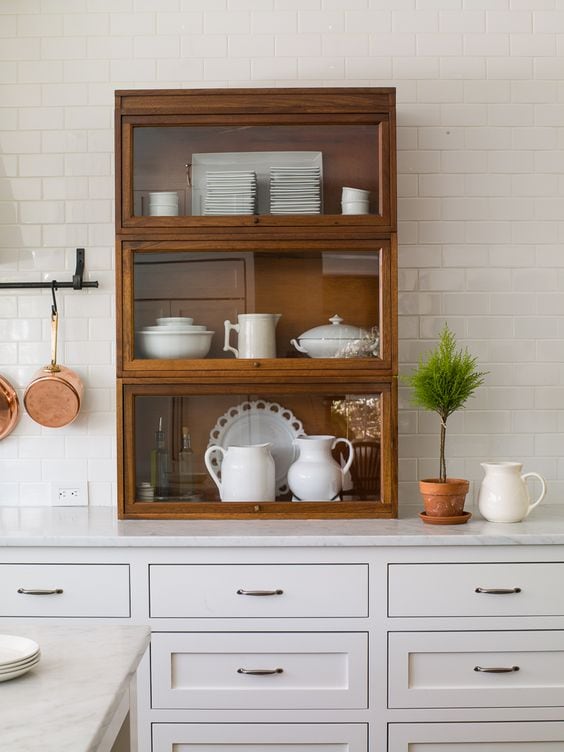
(336,340)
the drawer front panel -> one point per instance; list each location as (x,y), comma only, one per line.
(217,671)
(291,590)
(527,589)
(264,737)
(476,737)
(454,669)
(86,590)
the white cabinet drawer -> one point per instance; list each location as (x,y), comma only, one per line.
(527,589)
(264,737)
(308,670)
(439,669)
(81,590)
(291,590)
(476,737)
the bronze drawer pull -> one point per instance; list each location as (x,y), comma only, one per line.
(497,591)
(260,671)
(259,592)
(496,669)
(39,591)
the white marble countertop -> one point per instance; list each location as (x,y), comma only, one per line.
(67,701)
(99,526)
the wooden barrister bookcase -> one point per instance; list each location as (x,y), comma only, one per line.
(230,203)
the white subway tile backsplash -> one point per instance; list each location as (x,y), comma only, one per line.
(463,21)
(323,21)
(135,24)
(481,195)
(227,22)
(86,24)
(248,45)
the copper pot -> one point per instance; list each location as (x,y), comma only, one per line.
(9,407)
(53,397)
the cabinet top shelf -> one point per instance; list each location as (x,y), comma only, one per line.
(346,100)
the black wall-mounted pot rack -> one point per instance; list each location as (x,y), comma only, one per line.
(77,279)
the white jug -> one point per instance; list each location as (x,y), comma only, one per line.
(257,335)
(503,495)
(315,476)
(247,472)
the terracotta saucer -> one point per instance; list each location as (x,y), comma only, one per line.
(458,520)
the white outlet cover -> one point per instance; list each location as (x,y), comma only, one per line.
(69,493)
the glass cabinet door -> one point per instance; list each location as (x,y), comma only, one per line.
(308,157)
(232,308)
(179,439)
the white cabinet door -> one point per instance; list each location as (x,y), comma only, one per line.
(259,670)
(493,589)
(64,590)
(262,591)
(476,669)
(476,737)
(259,737)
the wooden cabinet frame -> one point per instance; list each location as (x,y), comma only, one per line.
(373,108)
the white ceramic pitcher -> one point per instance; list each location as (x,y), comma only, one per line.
(503,495)
(257,335)
(315,476)
(247,472)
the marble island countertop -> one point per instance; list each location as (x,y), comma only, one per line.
(72,699)
(99,526)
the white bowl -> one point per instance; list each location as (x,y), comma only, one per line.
(354,207)
(163,211)
(170,343)
(156,196)
(176,328)
(174,320)
(355,194)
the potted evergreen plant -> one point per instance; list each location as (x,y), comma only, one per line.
(443,382)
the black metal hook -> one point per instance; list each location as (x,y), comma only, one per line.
(54,310)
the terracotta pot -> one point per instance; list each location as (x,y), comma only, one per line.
(444,499)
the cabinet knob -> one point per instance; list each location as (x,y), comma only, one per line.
(256,364)
(496,669)
(497,591)
(259,592)
(39,591)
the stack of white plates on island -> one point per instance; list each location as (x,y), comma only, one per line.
(230,192)
(17,656)
(295,190)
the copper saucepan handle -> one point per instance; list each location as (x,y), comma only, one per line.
(53,367)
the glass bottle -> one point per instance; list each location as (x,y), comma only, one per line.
(159,463)
(185,463)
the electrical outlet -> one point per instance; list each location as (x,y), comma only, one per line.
(69,494)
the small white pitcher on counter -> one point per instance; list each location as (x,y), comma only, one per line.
(504,495)
(247,472)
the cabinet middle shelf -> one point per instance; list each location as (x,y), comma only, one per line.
(216,307)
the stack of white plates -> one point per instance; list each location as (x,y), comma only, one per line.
(230,192)
(17,656)
(295,190)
